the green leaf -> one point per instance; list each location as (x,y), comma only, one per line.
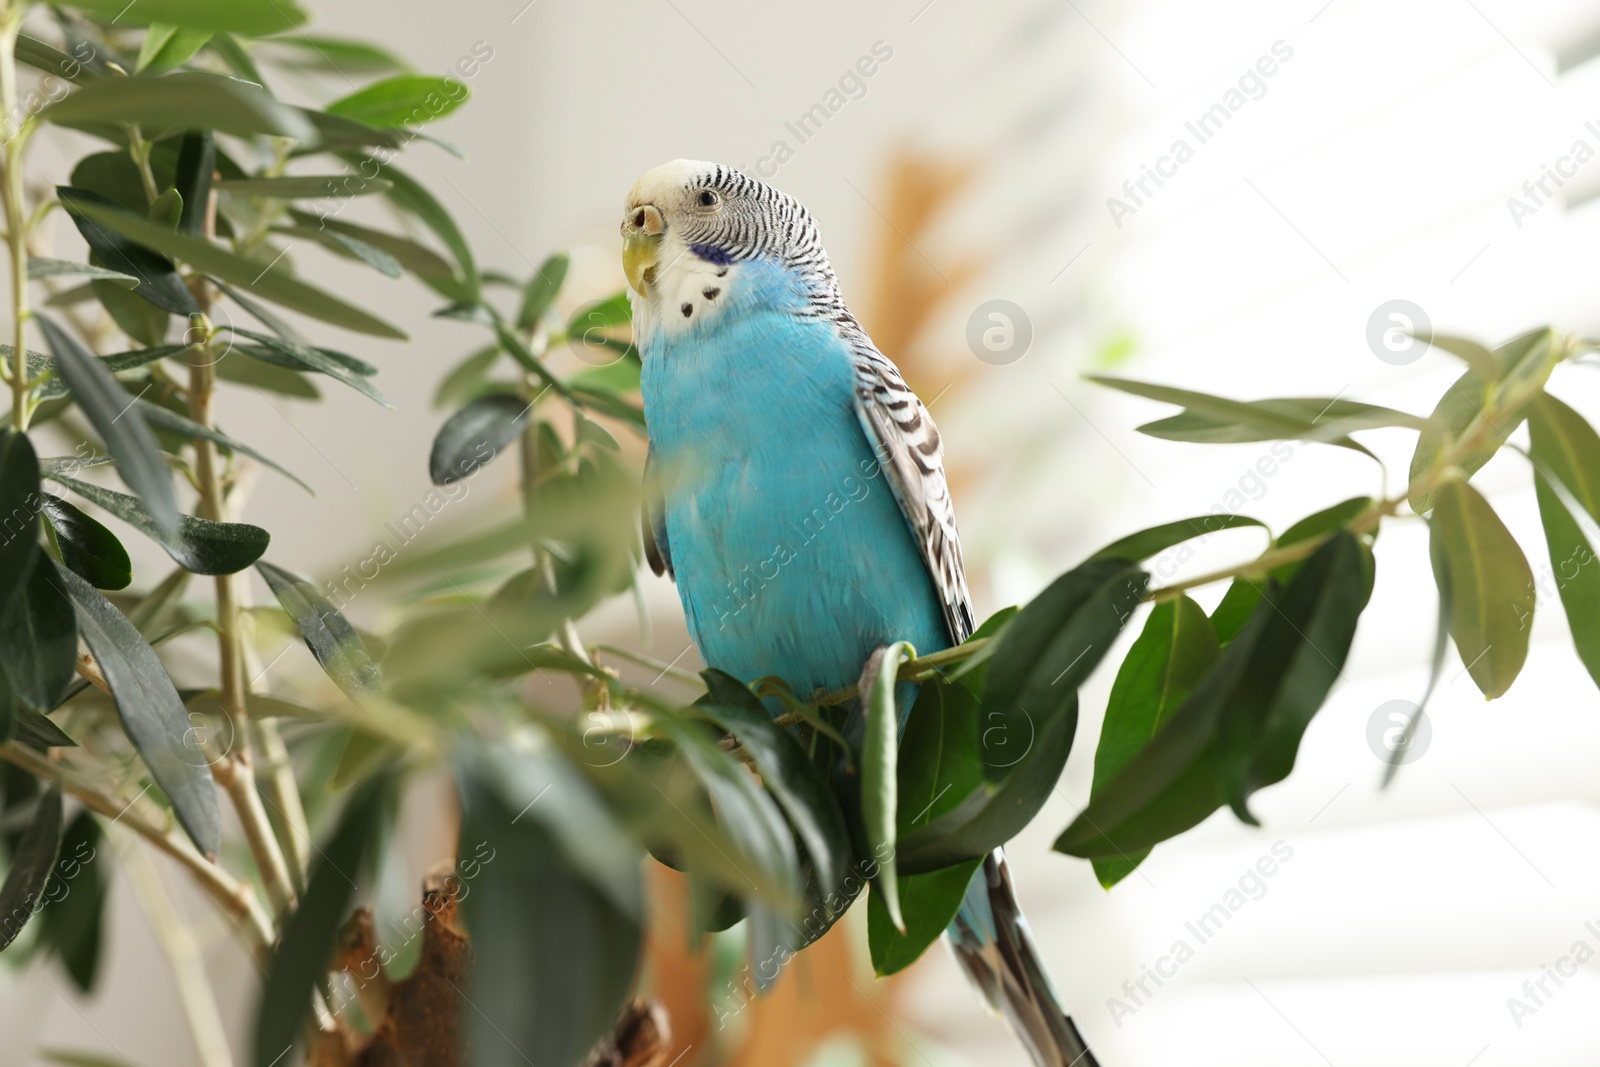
(258,278)
(605,314)
(555,952)
(29,727)
(1176,647)
(333,55)
(795,782)
(134,315)
(73,921)
(35,855)
(1478,358)
(1146,543)
(55,268)
(422,262)
(183,100)
(19,511)
(409,196)
(170,420)
(303,186)
(267,376)
(879,777)
(158,280)
(252,18)
(1214,419)
(327,633)
(69,1058)
(304,357)
(88,548)
(1566,453)
(541,290)
(1530,356)
(1491,585)
(940,760)
(1029,711)
(402,100)
(41,56)
(475,435)
(1241,725)
(197,160)
(348,247)
(153,715)
(200,545)
(39,640)
(929,903)
(301,961)
(167,47)
(466,377)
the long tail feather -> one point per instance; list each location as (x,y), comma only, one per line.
(991,942)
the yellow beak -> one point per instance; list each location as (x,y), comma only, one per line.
(639,258)
(642,230)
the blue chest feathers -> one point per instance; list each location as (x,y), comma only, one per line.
(792,557)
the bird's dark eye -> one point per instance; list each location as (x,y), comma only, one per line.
(708,198)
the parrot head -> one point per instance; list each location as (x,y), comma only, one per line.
(687,224)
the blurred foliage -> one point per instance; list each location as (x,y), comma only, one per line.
(194,211)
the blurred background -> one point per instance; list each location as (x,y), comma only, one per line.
(1365,153)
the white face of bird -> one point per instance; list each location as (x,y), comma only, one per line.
(687,226)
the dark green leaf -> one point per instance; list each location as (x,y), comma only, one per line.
(200,545)
(187,427)
(1530,356)
(422,262)
(329,636)
(267,376)
(1241,725)
(256,277)
(197,160)
(55,268)
(40,56)
(30,867)
(940,761)
(77,898)
(252,18)
(348,247)
(1176,647)
(304,357)
(1146,543)
(412,198)
(929,903)
(186,99)
(541,290)
(402,100)
(555,952)
(1566,452)
(1491,585)
(474,436)
(20,501)
(29,727)
(153,716)
(88,548)
(39,639)
(159,281)
(301,961)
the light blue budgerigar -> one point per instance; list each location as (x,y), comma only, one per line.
(802,508)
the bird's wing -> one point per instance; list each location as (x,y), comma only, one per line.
(906,444)
(653,520)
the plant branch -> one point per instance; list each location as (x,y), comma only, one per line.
(11,189)
(235,898)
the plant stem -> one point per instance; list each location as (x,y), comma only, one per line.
(139,150)
(235,771)
(11,188)
(183,956)
(235,898)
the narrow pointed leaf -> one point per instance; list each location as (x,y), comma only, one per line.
(1491,586)
(153,715)
(879,776)
(305,357)
(30,867)
(200,545)
(39,639)
(197,161)
(302,187)
(168,419)
(58,268)
(167,47)
(158,280)
(1146,543)
(29,727)
(251,18)
(929,903)
(88,548)
(348,247)
(19,510)
(327,633)
(186,99)
(261,279)
(73,922)
(541,290)
(402,100)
